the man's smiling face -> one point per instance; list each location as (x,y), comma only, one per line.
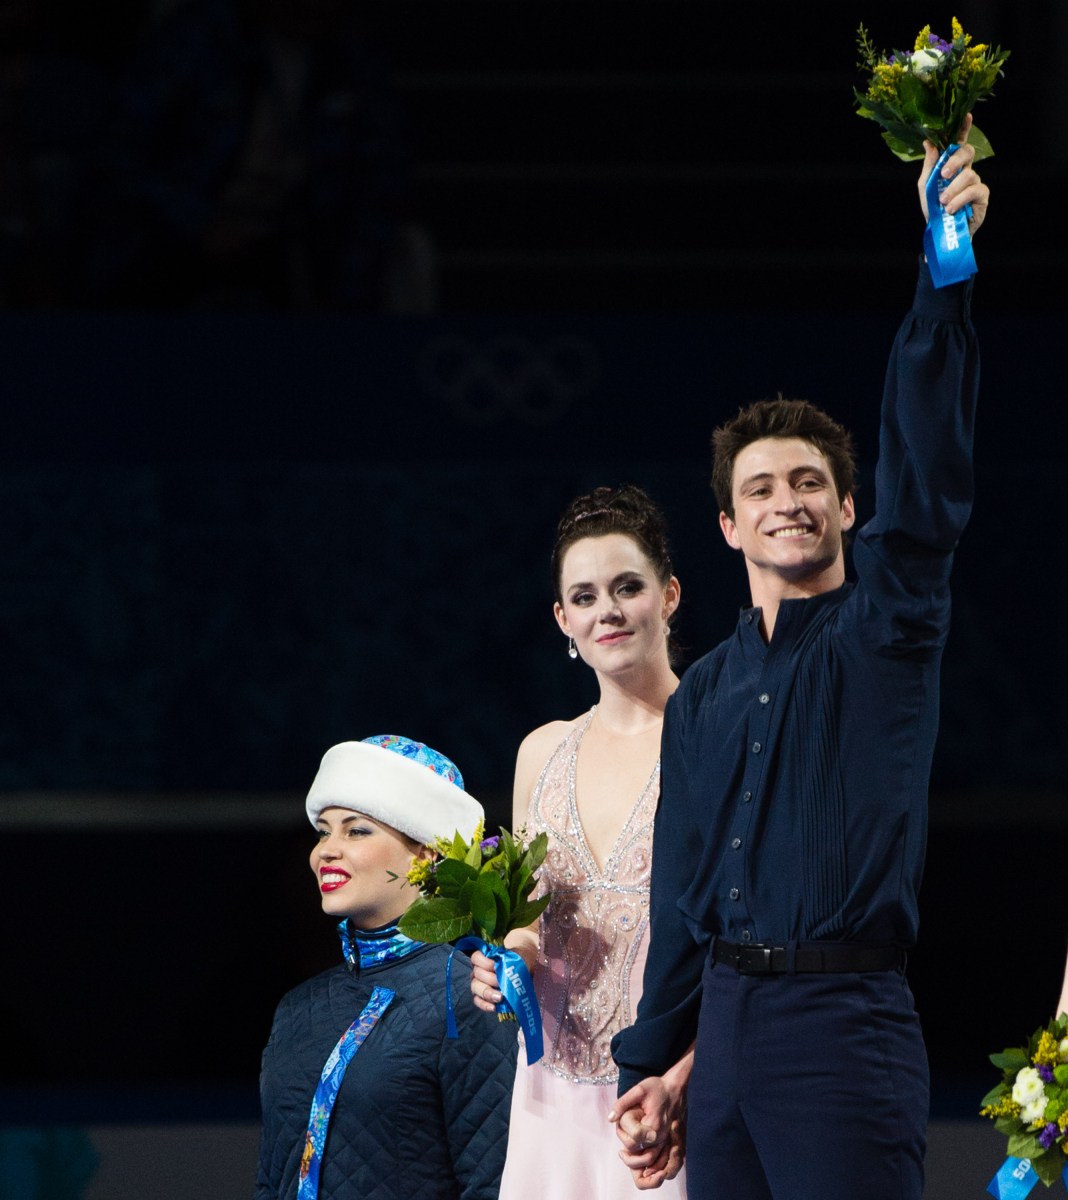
(788,520)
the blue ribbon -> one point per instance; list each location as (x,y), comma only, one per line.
(946,240)
(514,984)
(322,1105)
(1014,1180)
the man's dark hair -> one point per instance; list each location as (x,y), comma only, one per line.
(781,418)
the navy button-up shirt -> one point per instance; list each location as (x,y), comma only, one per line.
(794,779)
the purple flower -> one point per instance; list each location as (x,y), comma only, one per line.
(489,843)
(1048,1135)
(936,43)
(1046,1071)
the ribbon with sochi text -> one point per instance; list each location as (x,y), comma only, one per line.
(946,240)
(516,986)
(1015,1179)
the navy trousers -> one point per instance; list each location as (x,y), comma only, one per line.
(807,1087)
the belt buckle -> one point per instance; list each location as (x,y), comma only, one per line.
(754,960)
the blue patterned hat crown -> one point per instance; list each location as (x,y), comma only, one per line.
(420,753)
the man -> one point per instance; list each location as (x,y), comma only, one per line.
(790,835)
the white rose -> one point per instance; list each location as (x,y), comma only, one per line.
(925,62)
(1029,1092)
(1062,1049)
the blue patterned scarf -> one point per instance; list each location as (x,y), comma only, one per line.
(361,949)
(370,948)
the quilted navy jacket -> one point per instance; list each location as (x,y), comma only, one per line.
(419,1115)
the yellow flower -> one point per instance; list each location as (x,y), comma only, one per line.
(884,81)
(420,871)
(1005,1107)
(923,38)
(1047,1051)
(1062,1122)
(972,60)
(958,31)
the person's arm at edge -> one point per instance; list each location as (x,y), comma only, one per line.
(923,481)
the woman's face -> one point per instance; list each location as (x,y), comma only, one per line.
(352,861)
(613,604)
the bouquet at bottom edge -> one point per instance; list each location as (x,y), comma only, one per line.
(478,892)
(1030,1104)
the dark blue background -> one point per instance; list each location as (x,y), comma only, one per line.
(230,540)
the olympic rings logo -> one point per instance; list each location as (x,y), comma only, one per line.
(509,376)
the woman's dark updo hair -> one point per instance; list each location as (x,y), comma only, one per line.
(605,510)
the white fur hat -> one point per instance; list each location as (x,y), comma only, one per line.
(399,782)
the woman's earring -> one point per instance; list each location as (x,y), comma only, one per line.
(571,651)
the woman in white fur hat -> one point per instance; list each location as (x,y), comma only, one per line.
(363,1094)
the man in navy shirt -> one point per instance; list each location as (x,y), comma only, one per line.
(790,834)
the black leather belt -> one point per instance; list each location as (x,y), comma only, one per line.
(808,958)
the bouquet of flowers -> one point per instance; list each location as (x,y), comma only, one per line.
(481,887)
(927,92)
(1030,1104)
(477,892)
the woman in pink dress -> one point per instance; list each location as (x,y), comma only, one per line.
(592,784)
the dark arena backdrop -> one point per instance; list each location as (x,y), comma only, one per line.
(282,469)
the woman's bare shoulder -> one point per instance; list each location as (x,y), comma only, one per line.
(535,750)
(541,742)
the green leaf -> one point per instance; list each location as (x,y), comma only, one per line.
(508,846)
(535,854)
(1010,1060)
(1048,1166)
(528,912)
(498,864)
(435,919)
(1024,1144)
(473,858)
(920,99)
(906,151)
(489,905)
(521,883)
(994,1095)
(981,142)
(451,875)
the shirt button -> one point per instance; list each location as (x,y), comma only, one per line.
(746,936)
(736,843)
(763,697)
(747,796)
(749,618)
(756,747)
(735,893)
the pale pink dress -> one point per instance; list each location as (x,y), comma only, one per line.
(594,941)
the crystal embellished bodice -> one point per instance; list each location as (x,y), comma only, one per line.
(594,931)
